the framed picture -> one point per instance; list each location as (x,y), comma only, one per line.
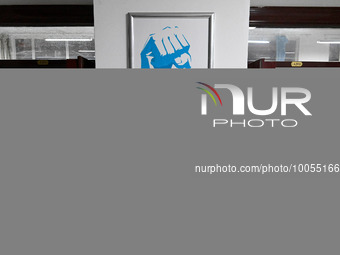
(170,40)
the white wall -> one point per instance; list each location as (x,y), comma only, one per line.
(231,28)
(331,3)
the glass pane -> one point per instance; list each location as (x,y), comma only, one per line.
(49,50)
(46,42)
(84,49)
(23,48)
(294,44)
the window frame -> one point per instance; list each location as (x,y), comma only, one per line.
(46,15)
(294,17)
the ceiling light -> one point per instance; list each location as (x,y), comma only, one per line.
(69,40)
(256,41)
(328,42)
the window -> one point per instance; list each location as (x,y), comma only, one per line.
(294,44)
(294,34)
(46,42)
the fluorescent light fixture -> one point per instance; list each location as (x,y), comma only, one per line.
(69,40)
(86,51)
(252,28)
(256,41)
(328,42)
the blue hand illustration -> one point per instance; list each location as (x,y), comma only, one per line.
(167,49)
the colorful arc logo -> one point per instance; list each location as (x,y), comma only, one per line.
(204,97)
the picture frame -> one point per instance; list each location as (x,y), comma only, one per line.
(170,40)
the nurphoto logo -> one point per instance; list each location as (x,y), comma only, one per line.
(239,99)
